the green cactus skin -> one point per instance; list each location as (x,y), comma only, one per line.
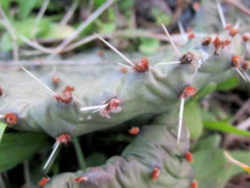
(149,93)
(142,94)
(154,147)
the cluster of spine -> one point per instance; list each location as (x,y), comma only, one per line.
(78,99)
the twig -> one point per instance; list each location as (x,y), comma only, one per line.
(75,34)
(16,51)
(40,15)
(35,45)
(12,32)
(236,162)
(221,14)
(27,173)
(79,153)
(2,184)
(239,5)
(70,13)
(245,124)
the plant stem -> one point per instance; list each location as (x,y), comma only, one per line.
(26,173)
(79,153)
(2,184)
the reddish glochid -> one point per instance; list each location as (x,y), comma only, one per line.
(55,79)
(189,157)
(187,58)
(64,138)
(246,37)
(194,184)
(124,70)
(245,65)
(134,131)
(156,173)
(191,34)
(66,96)
(81,179)
(233,32)
(142,66)
(236,61)
(43,181)
(188,92)
(11,118)
(207,41)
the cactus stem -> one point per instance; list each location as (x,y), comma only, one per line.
(171,40)
(221,14)
(116,51)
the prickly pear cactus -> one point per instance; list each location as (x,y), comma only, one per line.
(76,96)
(153,159)
(152,92)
